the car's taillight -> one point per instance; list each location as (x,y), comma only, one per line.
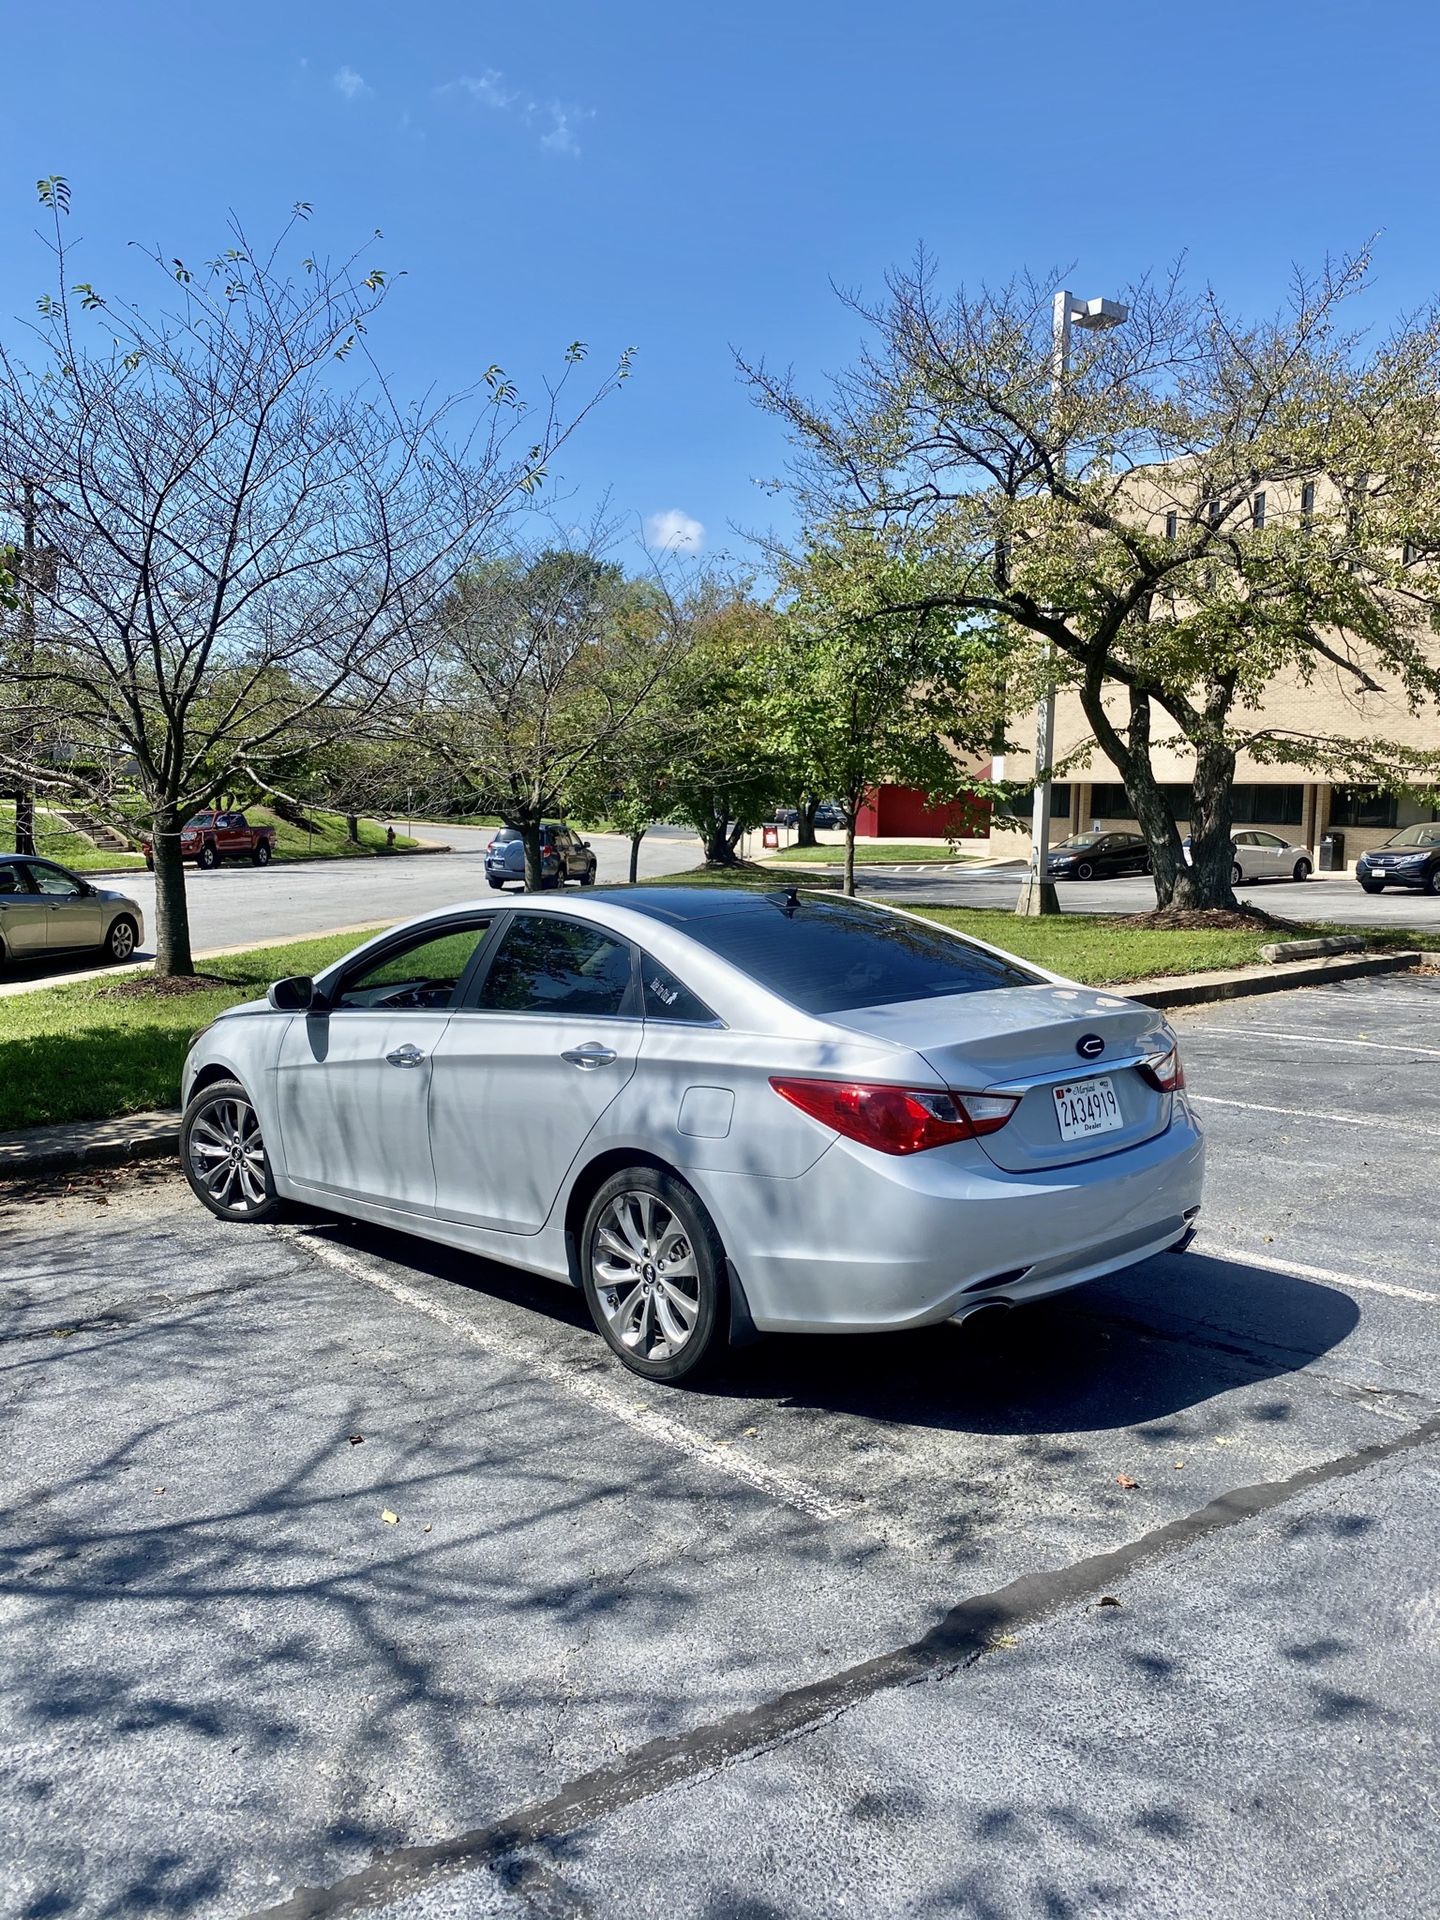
(1164,1071)
(897,1119)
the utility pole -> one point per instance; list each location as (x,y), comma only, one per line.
(1037,892)
(25,795)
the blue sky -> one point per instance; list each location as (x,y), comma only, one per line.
(689,180)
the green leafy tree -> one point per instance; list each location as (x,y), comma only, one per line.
(1204,507)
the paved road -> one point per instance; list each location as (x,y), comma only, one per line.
(872,1627)
(245,906)
(1337,897)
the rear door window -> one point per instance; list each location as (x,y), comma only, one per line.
(827,956)
(555,966)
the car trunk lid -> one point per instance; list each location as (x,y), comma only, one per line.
(1027,1041)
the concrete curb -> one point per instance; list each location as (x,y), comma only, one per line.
(35,1152)
(1244,983)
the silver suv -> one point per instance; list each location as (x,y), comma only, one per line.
(563,856)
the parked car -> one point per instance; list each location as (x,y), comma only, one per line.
(1410,858)
(714,1110)
(1098,856)
(563,856)
(831,814)
(46,909)
(1264,856)
(208,838)
(786,817)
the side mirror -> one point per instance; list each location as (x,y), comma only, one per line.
(294,995)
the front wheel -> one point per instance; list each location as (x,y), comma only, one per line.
(1302,869)
(223,1154)
(207,858)
(1373,886)
(497,886)
(120,940)
(587,879)
(261,854)
(654,1275)
(1084,871)
(1432,884)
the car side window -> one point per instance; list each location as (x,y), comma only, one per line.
(419,976)
(12,880)
(57,885)
(666,998)
(555,966)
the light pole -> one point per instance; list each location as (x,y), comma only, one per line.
(1037,894)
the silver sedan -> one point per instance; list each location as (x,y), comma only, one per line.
(46,909)
(716,1111)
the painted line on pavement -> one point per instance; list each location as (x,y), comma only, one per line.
(1314,1113)
(1227,1251)
(596,1390)
(1304,1034)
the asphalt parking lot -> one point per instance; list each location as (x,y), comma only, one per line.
(342,1574)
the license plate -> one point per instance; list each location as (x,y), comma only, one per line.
(1087,1107)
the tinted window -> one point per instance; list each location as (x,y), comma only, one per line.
(422,974)
(549,965)
(824,956)
(12,880)
(503,836)
(666,998)
(200,820)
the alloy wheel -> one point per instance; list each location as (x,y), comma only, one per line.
(121,940)
(646,1277)
(227,1155)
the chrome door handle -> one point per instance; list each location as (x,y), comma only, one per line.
(592,1054)
(406,1056)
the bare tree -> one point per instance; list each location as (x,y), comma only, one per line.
(250,526)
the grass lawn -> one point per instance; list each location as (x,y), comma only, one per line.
(329,842)
(84,1052)
(874,853)
(55,841)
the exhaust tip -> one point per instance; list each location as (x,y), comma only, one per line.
(981,1307)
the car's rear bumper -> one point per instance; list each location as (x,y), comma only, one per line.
(867,1241)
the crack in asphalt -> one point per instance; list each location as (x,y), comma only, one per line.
(957,1639)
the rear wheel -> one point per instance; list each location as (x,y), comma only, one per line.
(207,858)
(1236,874)
(261,854)
(654,1275)
(1373,886)
(1302,869)
(120,940)
(223,1154)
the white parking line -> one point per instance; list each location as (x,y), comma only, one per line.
(1325,1039)
(594,1389)
(1223,1250)
(1315,1113)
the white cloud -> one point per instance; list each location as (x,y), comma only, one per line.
(674,532)
(349,83)
(491,90)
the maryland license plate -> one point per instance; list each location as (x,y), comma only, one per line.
(1087,1107)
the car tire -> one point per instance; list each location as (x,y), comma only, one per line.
(587,879)
(1373,886)
(260,856)
(1084,871)
(698,1298)
(1302,870)
(1237,875)
(207,858)
(1432,882)
(549,881)
(1147,865)
(121,940)
(233,1184)
(497,886)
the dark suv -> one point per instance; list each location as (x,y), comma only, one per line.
(1410,858)
(563,856)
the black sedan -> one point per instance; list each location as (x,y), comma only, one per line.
(1410,858)
(1098,856)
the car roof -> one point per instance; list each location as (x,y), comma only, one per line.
(679,904)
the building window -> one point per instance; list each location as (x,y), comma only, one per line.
(1257,510)
(1362,807)
(1022,810)
(1273,806)
(1307,500)
(1214,512)
(1172,525)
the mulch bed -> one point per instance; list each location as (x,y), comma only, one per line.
(1220,919)
(147,987)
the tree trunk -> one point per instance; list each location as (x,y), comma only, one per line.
(720,838)
(530,837)
(25,823)
(635,840)
(352,828)
(1208,880)
(805,824)
(848,885)
(172,908)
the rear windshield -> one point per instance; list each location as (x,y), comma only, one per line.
(503,834)
(829,956)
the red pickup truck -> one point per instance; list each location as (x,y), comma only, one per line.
(209,838)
